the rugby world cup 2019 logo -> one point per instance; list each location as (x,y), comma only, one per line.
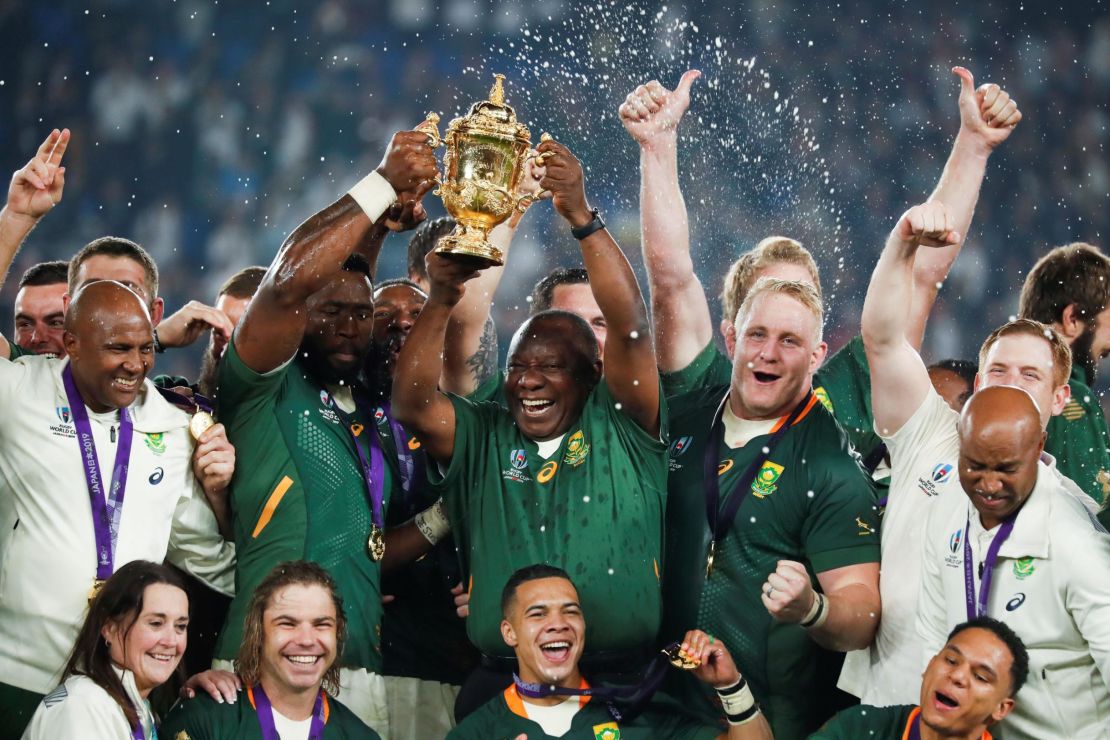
(63,414)
(766,479)
(379,415)
(954,558)
(680,445)
(65,429)
(518,459)
(942,473)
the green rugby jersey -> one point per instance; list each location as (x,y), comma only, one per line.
(871,723)
(298,493)
(504,718)
(1079,441)
(594,508)
(811,502)
(201,718)
(843,384)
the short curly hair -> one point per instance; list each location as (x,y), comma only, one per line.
(770,251)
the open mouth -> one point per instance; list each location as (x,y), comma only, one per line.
(992,500)
(762,377)
(557,651)
(127,385)
(162,657)
(944,700)
(535,407)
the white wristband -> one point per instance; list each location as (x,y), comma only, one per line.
(818,613)
(738,702)
(373,194)
(433,523)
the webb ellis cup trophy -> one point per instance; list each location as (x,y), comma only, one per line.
(484,162)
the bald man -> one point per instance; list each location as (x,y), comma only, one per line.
(96,470)
(1026,551)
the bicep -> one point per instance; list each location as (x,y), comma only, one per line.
(271,330)
(435,427)
(683,325)
(865,575)
(899,383)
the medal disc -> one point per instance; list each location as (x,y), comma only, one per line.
(376,543)
(679,658)
(200,423)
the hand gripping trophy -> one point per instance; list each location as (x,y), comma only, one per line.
(486,153)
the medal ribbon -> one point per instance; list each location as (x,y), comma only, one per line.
(913,727)
(196,403)
(720,522)
(977,606)
(412,473)
(624,703)
(265,711)
(105,513)
(373,468)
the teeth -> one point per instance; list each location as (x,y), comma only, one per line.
(126,383)
(535,404)
(303,659)
(556,645)
(164,658)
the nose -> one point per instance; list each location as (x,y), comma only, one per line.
(133,362)
(990,483)
(530,378)
(346,326)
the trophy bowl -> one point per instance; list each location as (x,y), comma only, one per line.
(484,161)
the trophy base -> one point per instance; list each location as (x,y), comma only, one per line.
(469,248)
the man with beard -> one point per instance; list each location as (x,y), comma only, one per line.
(1018,546)
(1069,290)
(314,482)
(573,472)
(40,309)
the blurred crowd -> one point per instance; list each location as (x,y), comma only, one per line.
(206,131)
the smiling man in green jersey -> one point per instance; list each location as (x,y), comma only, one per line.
(772,541)
(315,478)
(573,472)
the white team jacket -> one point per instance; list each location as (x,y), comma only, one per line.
(47,544)
(80,708)
(1051,585)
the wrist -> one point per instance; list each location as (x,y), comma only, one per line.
(665,142)
(818,613)
(374,194)
(738,702)
(973,144)
(433,523)
(19,220)
(580,216)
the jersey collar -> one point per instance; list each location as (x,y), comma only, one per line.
(516,704)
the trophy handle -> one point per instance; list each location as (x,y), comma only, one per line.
(430,127)
(524,202)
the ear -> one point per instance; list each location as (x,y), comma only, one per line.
(1060,398)
(508,634)
(156,311)
(110,632)
(729,332)
(69,341)
(66,298)
(976,384)
(1071,324)
(818,357)
(1002,711)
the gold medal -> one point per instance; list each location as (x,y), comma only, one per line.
(200,424)
(376,543)
(679,658)
(97,585)
(709,560)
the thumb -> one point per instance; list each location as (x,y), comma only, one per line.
(687,80)
(967,81)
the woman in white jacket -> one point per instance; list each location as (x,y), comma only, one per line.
(131,642)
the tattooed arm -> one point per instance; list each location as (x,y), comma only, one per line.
(483,363)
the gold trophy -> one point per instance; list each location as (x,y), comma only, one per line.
(484,162)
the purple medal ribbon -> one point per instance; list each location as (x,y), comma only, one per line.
(406,460)
(913,732)
(265,713)
(977,606)
(105,514)
(196,403)
(373,468)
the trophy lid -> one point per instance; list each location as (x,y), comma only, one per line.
(493,113)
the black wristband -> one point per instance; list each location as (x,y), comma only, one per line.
(822,605)
(744,716)
(581,232)
(159,348)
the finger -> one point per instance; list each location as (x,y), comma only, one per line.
(990,94)
(228,690)
(656,91)
(60,181)
(34,175)
(388,598)
(217,430)
(211,689)
(458,589)
(1009,121)
(1004,114)
(423,188)
(686,81)
(640,109)
(778,583)
(997,107)
(59,149)
(793,565)
(47,146)
(967,81)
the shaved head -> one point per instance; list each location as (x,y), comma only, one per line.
(1001,441)
(109,338)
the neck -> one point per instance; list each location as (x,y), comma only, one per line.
(572,681)
(928,733)
(741,411)
(296,704)
(87,396)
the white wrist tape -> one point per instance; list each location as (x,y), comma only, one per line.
(818,613)
(373,194)
(738,703)
(433,523)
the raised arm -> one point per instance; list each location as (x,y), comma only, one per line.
(35,189)
(987,117)
(274,324)
(470,352)
(683,326)
(630,368)
(417,401)
(899,380)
